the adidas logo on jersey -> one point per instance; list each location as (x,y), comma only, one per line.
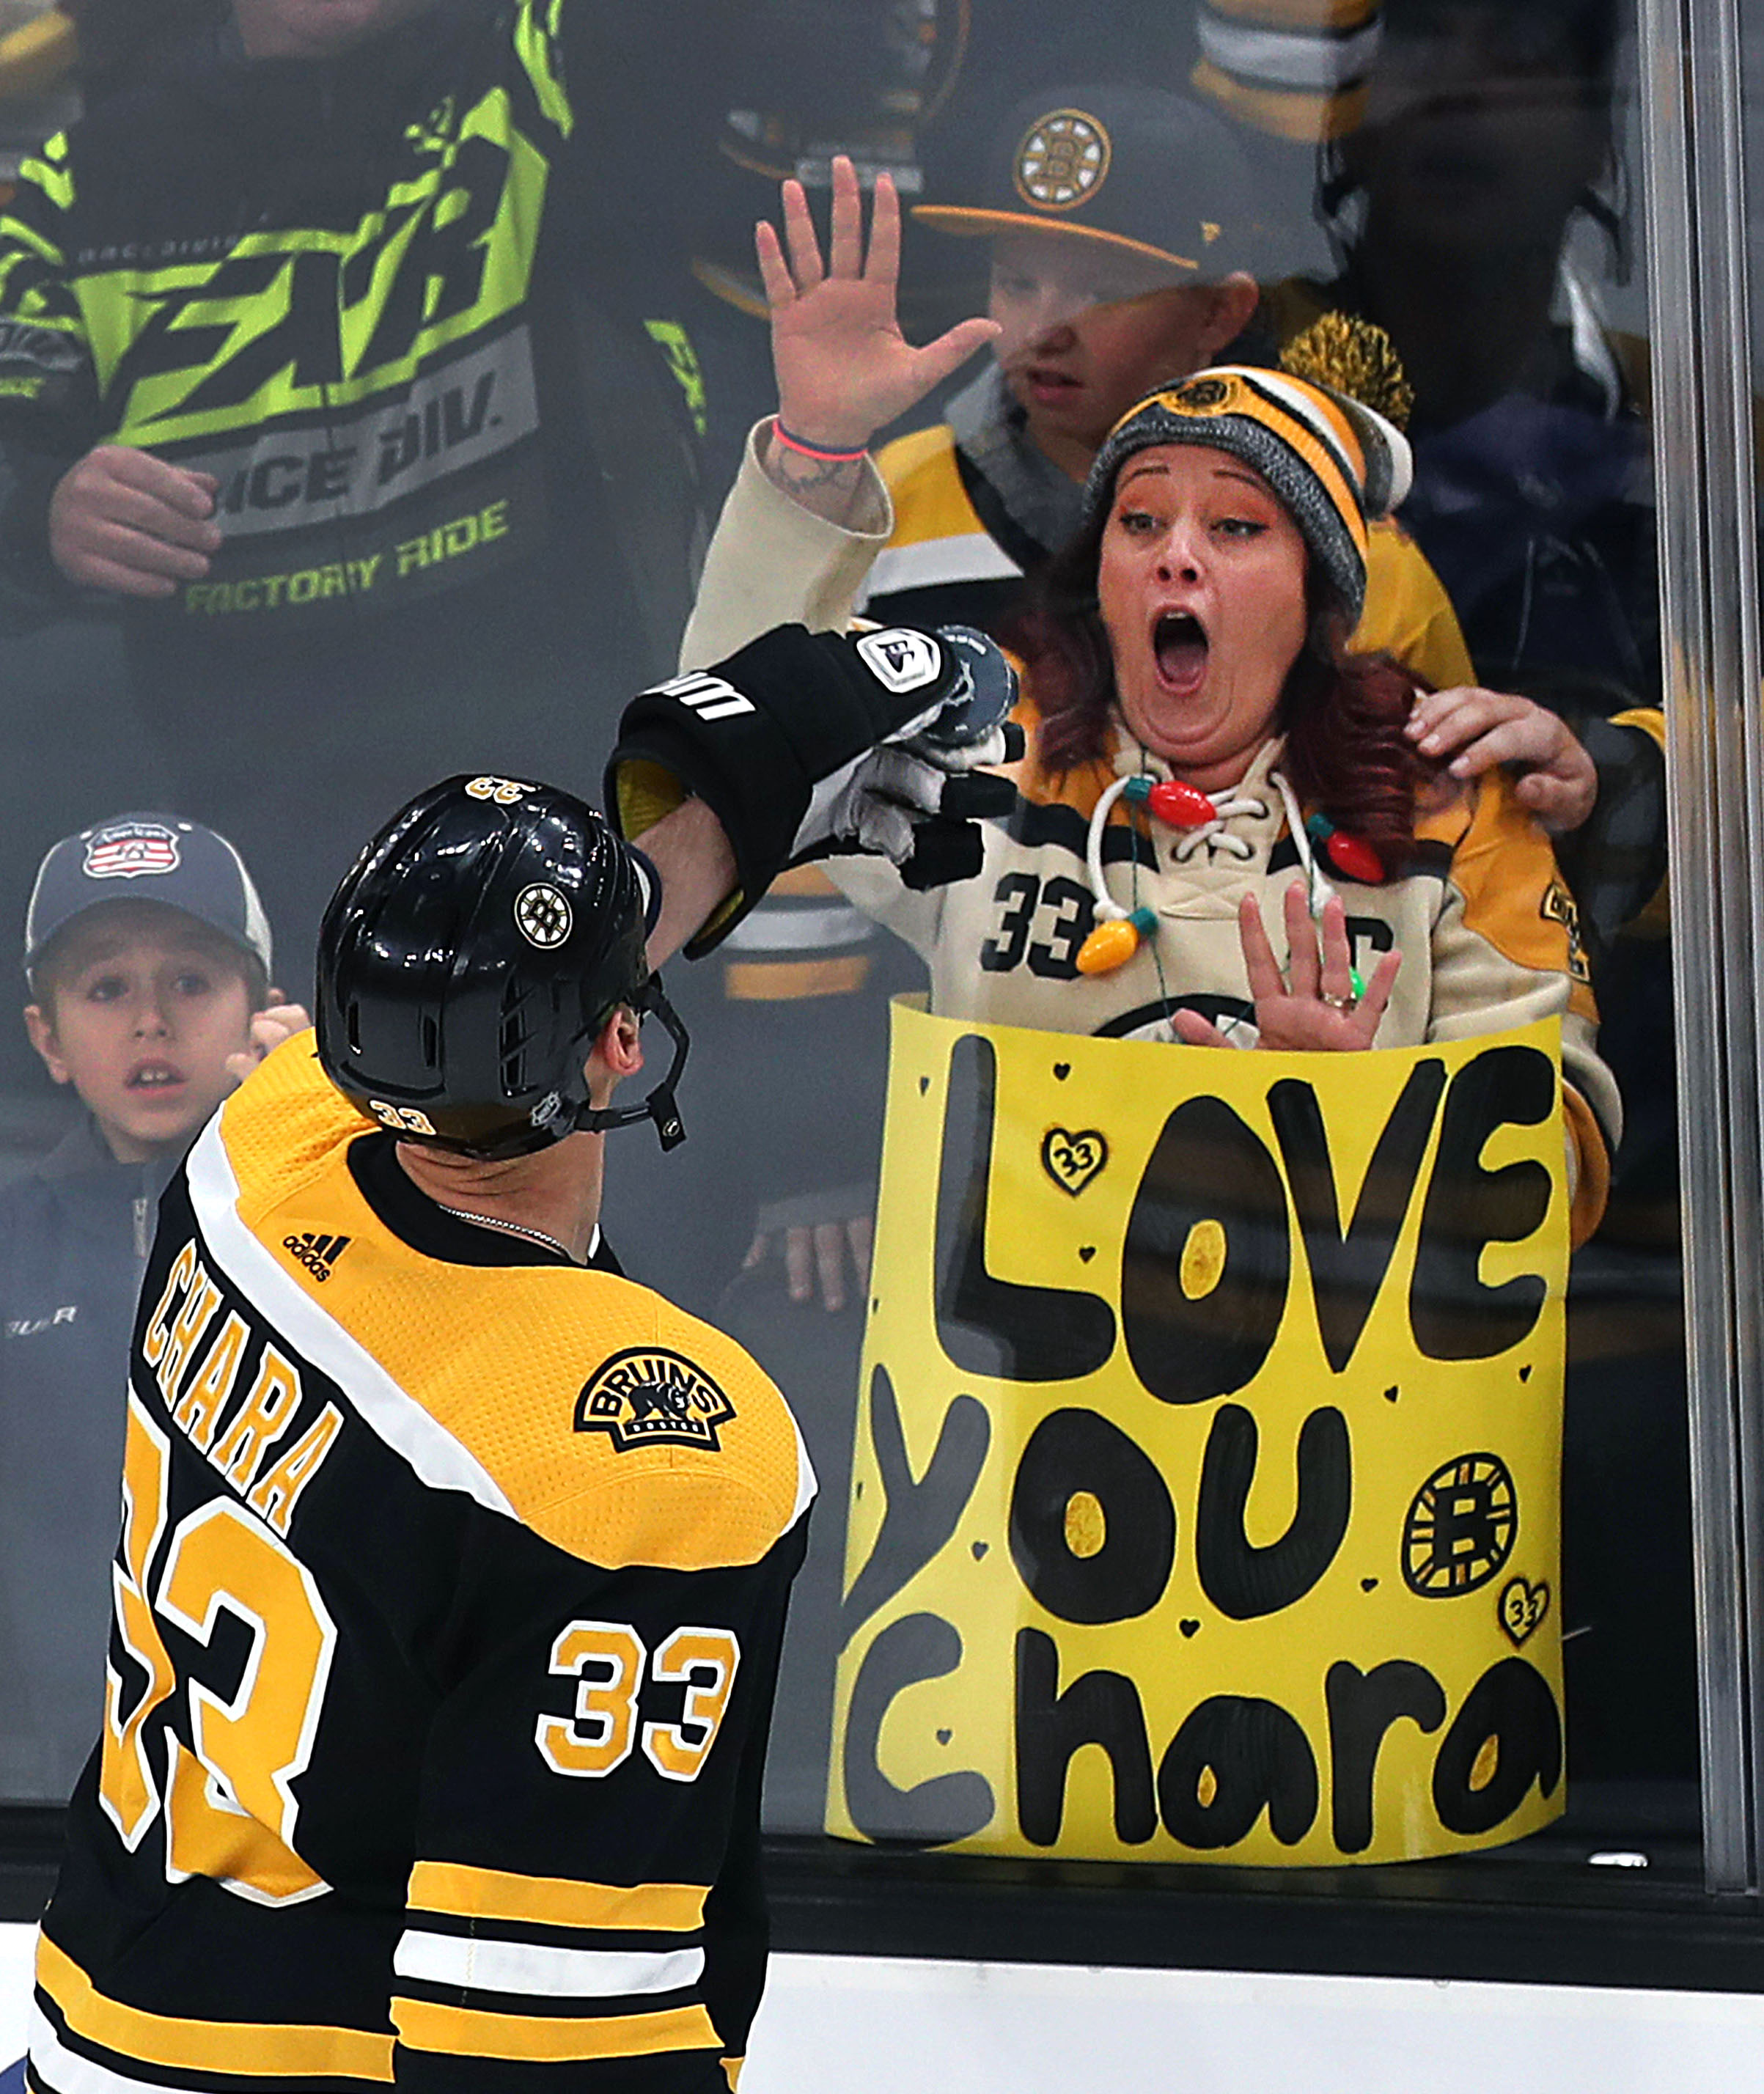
(647,1398)
(317,1254)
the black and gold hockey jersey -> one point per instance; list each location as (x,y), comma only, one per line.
(447,1601)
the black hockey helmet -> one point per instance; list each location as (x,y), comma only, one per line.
(469,960)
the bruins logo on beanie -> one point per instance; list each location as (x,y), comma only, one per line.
(1332,461)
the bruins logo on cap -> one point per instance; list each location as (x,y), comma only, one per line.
(1063,160)
(647,1397)
(1204,396)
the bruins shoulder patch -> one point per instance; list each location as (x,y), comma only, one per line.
(648,1396)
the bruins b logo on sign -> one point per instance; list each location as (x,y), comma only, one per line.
(646,1396)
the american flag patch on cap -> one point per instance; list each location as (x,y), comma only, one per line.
(128,849)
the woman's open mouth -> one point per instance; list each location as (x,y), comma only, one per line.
(1179,645)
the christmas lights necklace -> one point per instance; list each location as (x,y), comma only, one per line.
(1119,930)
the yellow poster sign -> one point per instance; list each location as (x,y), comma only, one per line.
(1205,1499)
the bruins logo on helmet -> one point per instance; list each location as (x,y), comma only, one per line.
(1063,160)
(542,915)
(647,1397)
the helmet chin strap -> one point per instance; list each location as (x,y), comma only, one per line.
(658,1106)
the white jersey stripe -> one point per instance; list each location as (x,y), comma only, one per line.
(772,928)
(68,2072)
(491,1966)
(807,1483)
(1317,62)
(437,1457)
(934,562)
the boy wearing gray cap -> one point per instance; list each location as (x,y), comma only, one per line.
(147,954)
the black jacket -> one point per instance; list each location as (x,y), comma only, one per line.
(396,304)
(73,1233)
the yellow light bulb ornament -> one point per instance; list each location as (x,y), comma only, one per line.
(1113,943)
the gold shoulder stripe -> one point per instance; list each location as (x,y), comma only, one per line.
(788,981)
(800,880)
(1407,615)
(285,1121)
(287,1132)
(268,2050)
(1650,719)
(534,2039)
(473,1893)
(1514,897)
(1284,112)
(930,501)
(1300,17)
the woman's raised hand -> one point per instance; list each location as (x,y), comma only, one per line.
(1313,1009)
(844,369)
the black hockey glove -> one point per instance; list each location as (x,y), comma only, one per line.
(804,744)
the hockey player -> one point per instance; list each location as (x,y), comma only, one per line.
(453,1566)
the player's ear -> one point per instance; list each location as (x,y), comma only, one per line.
(620,1046)
(42,1028)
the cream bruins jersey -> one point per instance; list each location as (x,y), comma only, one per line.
(447,1601)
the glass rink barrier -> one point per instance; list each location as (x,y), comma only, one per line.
(1264,1249)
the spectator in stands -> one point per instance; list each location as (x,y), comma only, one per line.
(381,449)
(1200,631)
(1125,226)
(147,954)
(844,369)
(1097,192)
(410,485)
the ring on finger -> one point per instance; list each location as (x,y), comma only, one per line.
(1342,1003)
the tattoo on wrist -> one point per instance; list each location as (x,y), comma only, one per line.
(798,471)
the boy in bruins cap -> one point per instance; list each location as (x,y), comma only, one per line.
(1126,227)
(147,958)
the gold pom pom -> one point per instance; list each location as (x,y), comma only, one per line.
(1354,357)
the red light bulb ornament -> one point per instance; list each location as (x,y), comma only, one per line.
(1353,857)
(1177,805)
